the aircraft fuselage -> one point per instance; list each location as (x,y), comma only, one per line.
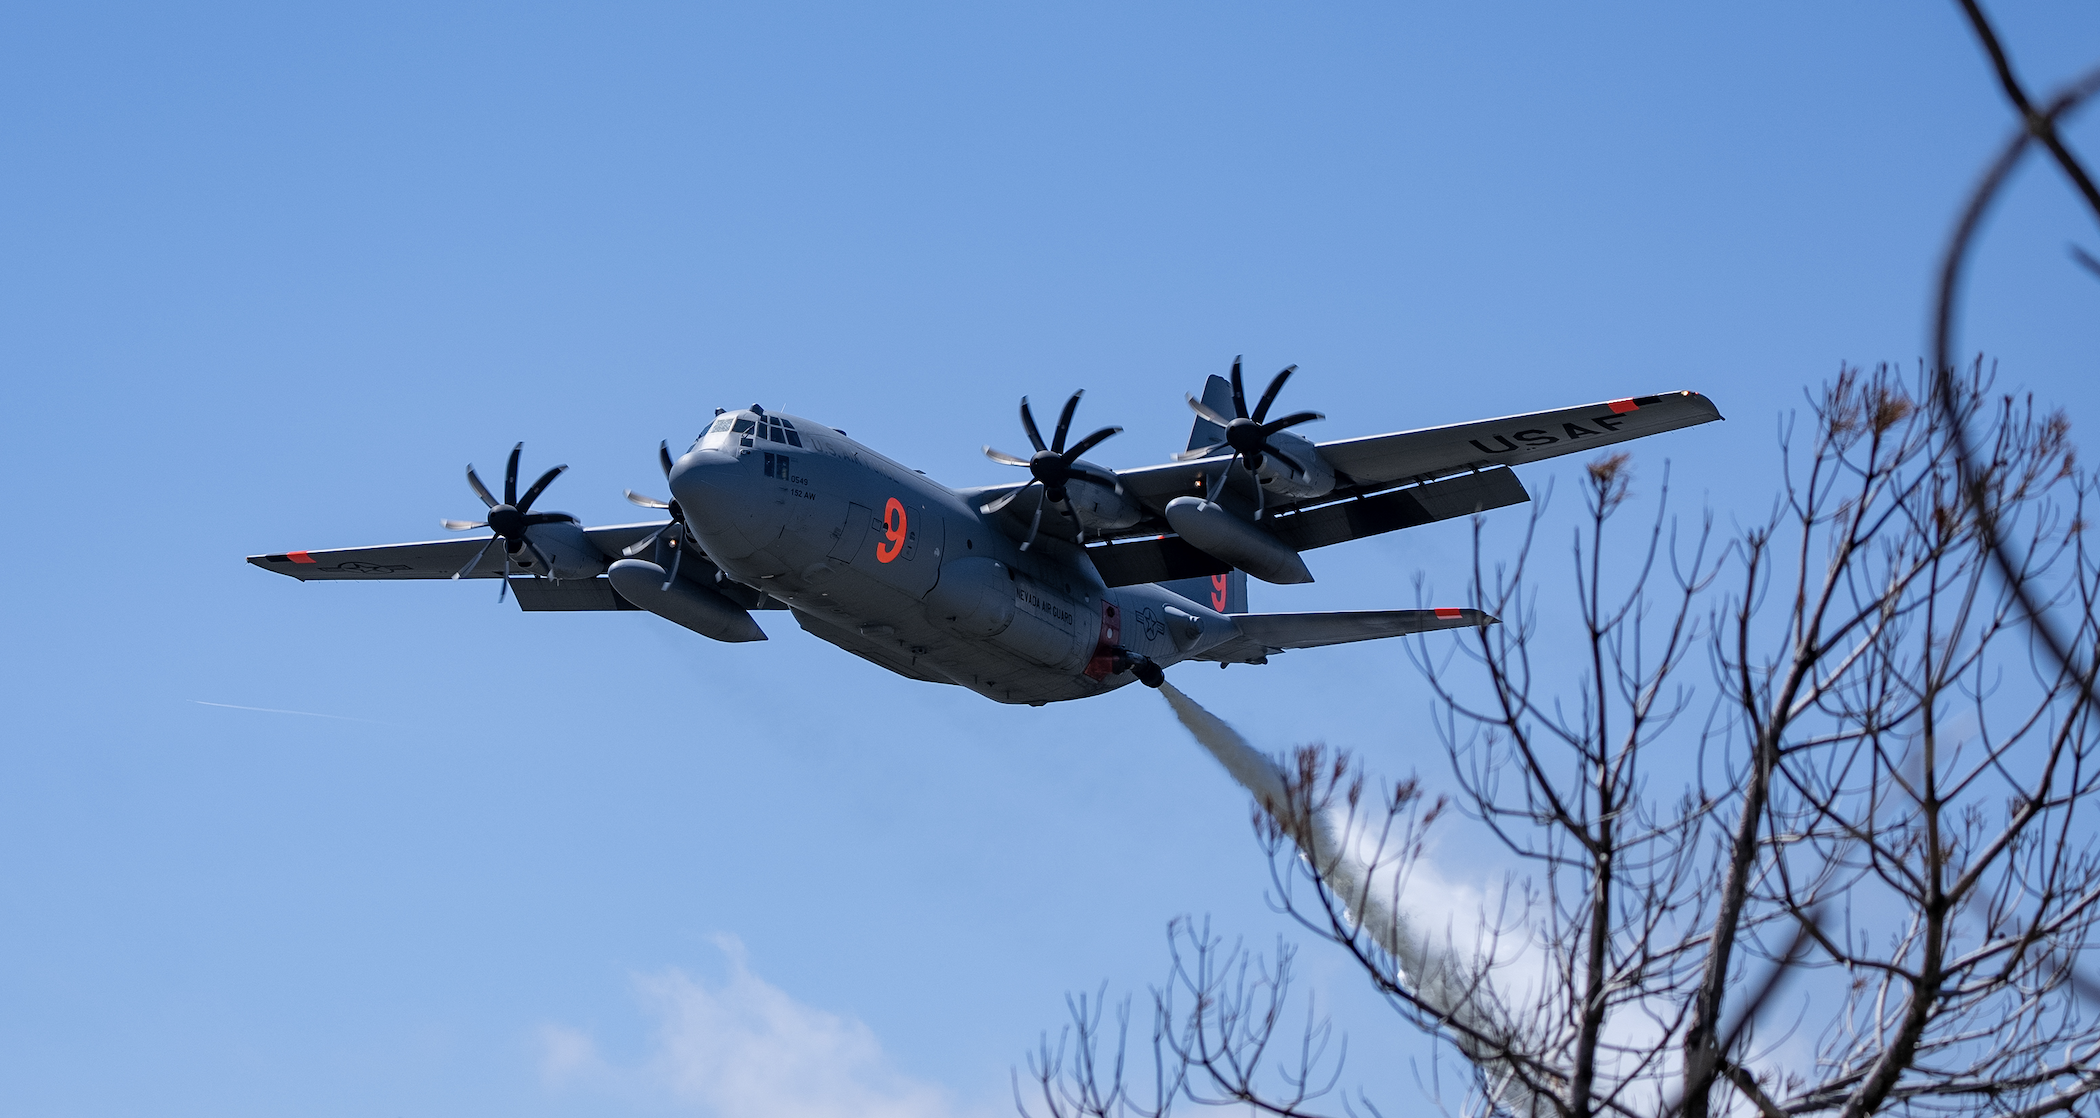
(882,561)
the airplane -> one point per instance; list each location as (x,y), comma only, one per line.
(1072,583)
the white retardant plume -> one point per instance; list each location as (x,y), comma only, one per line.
(1436,980)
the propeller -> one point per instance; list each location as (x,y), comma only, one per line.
(509,517)
(1052,466)
(1248,433)
(678,538)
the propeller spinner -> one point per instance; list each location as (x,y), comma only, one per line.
(509,517)
(1248,433)
(1052,466)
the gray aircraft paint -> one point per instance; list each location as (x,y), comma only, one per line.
(911,575)
(889,536)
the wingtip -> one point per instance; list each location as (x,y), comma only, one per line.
(1466,616)
(282,564)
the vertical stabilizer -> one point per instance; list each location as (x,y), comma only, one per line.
(1226,593)
(1217,396)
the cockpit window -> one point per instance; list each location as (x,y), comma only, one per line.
(732,428)
(776,429)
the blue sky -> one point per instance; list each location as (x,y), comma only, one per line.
(271,274)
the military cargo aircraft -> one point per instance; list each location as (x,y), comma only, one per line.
(1072,583)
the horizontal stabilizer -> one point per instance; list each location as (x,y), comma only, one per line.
(1262,633)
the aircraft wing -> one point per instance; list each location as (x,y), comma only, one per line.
(428,559)
(1383,482)
(1164,557)
(1374,462)
(1513,440)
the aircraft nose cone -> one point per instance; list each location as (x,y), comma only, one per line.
(703,479)
(723,502)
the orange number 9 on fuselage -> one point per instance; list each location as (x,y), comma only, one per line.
(893,531)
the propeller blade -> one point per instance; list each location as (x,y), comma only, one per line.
(1065,509)
(476,561)
(1028,424)
(1089,443)
(539,487)
(663,456)
(646,502)
(1064,422)
(510,476)
(480,490)
(1239,391)
(541,556)
(1295,464)
(1002,502)
(1198,452)
(645,543)
(677,554)
(463,525)
(1291,420)
(1269,396)
(1035,523)
(1203,410)
(504,588)
(1004,458)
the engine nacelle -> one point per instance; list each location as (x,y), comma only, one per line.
(1217,533)
(1281,478)
(695,607)
(566,547)
(1101,508)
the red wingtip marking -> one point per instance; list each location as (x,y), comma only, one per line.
(1623,406)
(298,557)
(1448,614)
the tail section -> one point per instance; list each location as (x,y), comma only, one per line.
(1217,396)
(1226,593)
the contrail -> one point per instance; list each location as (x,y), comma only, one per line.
(1436,979)
(302,713)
